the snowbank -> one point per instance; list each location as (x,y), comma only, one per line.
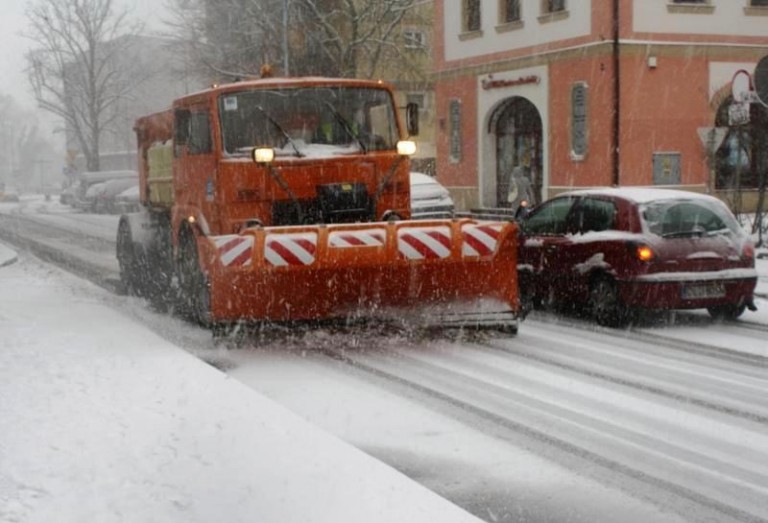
(7,255)
(103,420)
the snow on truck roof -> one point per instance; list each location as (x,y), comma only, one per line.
(643,194)
(296,81)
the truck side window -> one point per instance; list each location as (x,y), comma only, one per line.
(194,131)
(199,134)
(181,126)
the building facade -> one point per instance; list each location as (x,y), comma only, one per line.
(580,93)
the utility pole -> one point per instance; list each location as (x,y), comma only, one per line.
(286,64)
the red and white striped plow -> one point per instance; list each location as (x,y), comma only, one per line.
(480,239)
(363,238)
(419,243)
(438,272)
(282,250)
(234,250)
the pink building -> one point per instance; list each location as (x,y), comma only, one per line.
(583,93)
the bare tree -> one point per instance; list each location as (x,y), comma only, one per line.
(79,70)
(228,39)
(22,147)
(355,35)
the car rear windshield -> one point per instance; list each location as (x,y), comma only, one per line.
(683,218)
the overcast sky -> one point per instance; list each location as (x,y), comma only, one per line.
(13,45)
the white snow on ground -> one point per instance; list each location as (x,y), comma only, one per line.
(102,420)
(110,423)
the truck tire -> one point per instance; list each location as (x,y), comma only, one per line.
(127,262)
(193,284)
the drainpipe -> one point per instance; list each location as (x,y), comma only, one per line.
(616,94)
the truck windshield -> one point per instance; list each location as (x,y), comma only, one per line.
(308,121)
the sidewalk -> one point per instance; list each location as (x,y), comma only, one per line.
(104,421)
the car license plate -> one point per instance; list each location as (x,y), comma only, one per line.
(703,290)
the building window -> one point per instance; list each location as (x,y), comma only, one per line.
(690,6)
(552,11)
(579,123)
(471,16)
(756,8)
(552,6)
(414,39)
(454,130)
(510,11)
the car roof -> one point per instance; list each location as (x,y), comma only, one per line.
(641,194)
(421,178)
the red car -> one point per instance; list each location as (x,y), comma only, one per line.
(615,251)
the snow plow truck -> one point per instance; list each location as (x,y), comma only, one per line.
(288,200)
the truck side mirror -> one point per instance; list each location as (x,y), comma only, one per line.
(412,118)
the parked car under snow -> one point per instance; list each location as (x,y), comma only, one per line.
(620,250)
(429,199)
(106,198)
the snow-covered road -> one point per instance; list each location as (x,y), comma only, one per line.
(565,422)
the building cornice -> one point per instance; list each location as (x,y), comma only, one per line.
(605,47)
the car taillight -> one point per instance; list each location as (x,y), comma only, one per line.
(644,253)
(748,251)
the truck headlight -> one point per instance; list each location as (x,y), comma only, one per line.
(263,155)
(406,147)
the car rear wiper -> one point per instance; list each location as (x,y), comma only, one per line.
(684,234)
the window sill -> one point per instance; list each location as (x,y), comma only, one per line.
(555,16)
(510,26)
(470,35)
(691,9)
(756,10)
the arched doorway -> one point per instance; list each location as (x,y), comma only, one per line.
(517,126)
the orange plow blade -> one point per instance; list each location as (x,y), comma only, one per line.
(430,273)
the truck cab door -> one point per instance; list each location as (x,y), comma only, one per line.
(195,165)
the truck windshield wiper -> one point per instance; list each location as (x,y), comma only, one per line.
(347,127)
(282,131)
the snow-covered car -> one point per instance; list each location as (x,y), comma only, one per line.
(88,201)
(7,194)
(106,198)
(429,198)
(625,249)
(128,200)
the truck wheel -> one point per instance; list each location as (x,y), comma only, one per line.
(193,284)
(605,305)
(126,260)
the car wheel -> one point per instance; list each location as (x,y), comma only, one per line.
(605,305)
(728,312)
(193,284)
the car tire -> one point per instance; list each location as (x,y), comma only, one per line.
(727,312)
(605,304)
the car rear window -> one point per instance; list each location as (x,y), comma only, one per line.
(680,218)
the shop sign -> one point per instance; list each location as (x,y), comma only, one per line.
(666,168)
(490,83)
